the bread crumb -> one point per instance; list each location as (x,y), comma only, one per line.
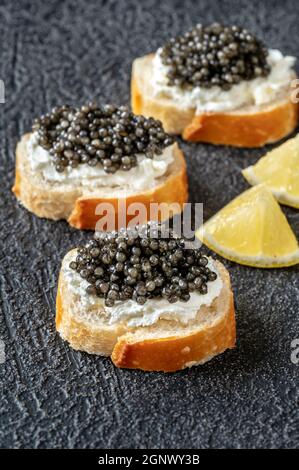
(186,350)
(190,364)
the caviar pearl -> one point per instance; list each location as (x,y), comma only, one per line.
(123,265)
(107,136)
(214,55)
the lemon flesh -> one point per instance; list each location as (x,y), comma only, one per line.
(252,230)
(279,170)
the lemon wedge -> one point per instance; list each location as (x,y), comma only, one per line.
(279,170)
(252,230)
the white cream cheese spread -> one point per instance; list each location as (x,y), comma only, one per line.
(135,315)
(141,177)
(255,92)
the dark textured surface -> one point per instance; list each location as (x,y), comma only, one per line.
(51,396)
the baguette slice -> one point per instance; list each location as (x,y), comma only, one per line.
(165,346)
(250,127)
(78,204)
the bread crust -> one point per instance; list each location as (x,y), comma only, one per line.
(244,128)
(176,353)
(78,207)
(130,348)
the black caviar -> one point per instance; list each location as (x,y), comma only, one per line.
(214,55)
(109,136)
(141,265)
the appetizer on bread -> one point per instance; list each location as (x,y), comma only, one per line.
(219,85)
(78,158)
(145,300)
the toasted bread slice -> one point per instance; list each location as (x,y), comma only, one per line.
(165,346)
(78,204)
(248,127)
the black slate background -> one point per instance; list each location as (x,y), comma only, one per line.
(55,52)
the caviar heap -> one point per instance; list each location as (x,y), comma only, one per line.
(107,136)
(141,265)
(214,55)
